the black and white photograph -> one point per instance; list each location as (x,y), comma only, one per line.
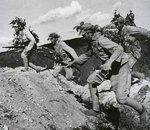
(74,65)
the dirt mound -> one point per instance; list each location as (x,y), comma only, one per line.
(30,100)
(33,100)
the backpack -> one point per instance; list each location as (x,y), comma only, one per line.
(35,36)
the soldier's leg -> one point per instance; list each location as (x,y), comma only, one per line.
(69,73)
(122,92)
(114,82)
(24,57)
(94,80)
(57,71)
(94,95)
(36,68)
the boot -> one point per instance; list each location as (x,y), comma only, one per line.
(36,68)
(91,112)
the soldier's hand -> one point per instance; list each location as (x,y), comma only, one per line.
(70,63)
(106,66)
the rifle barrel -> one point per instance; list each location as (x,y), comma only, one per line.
(12,47)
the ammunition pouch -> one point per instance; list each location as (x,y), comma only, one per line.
(104,73)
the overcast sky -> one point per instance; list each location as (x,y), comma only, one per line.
(46,16)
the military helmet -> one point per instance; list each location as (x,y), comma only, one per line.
(18,22)
(53,35)
(120,20)
(98,28)
(86,27)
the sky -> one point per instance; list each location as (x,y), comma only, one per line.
(60,16)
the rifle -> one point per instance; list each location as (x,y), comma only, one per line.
(13,47)
(57,61)
(61,62)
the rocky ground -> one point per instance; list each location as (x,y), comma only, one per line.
(33,100)
(36,101)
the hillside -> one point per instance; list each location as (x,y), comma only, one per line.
(36,101)
(31,100)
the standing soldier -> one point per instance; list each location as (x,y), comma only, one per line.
(116,15)
(25,39)
(114,61)
(64,53)
(131,18)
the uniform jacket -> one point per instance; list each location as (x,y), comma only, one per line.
(131,44)
(26,39)
(102,48)
(64,52)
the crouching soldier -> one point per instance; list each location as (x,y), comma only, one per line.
(131,42)
(115,61)
(26,40)
(65,54)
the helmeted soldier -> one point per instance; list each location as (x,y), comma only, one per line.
(116,15)
(23,37)
(65,54)
(133,49)
(130,19)
(129,35)
(110,53)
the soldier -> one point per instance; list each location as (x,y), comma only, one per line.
(116,62)
(105,50)
(65,54)
(116,15)
(131,43)
(24,38)
(130,19)
(133,49)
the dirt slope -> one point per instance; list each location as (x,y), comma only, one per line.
(36,101)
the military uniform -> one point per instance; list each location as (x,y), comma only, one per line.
(134,53)
(26,38)
(107,51)
(65,54)
(131,43)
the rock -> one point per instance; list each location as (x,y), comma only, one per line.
(38,103)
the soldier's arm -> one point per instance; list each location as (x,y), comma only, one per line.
(115,49)
(31,39)
(70,50)
(81,59)
(138,31)
(118,51)
(84,57)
